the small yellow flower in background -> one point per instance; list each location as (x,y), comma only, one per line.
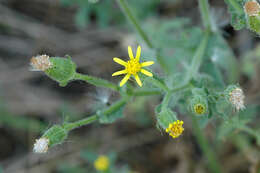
(101,163)
(199,109)
(132,67)
(175,129)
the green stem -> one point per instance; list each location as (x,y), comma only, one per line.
(96,81)
(205,14)
(197,59)
(146,92)
(158,83)
(126,10)
(82,122)
(72,125)
(205,147)
(166,100)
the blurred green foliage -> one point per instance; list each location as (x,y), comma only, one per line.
(106,12)
(18,121)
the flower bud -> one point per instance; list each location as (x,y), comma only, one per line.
(53,136)
(167,120)
(198,104)
(62,70)
(235,96)
(165,117)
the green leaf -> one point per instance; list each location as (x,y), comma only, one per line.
(89,155)
(81,17)
(238,18)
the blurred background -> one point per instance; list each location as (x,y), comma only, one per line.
(92,32)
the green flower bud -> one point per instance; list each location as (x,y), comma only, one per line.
(53,136)
(62,70)
(166,117)
(198,104)
(56,135)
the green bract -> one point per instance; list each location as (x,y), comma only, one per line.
(56,135)
(62,70)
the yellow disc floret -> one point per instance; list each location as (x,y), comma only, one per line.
(101,163)
(132,67)
(175,129)
(199,108)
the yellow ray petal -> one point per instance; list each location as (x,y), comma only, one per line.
(125,79)
(130,52)
(120,61)
(119,72)
(146,72)
(147,63)
(138,53)
(138,80)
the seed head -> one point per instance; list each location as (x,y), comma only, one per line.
(236,98)
(41,145)
(252,8)
(40,63)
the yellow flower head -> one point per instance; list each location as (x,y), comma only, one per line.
(132,67)
(175,129)
(199,108)
(101,163)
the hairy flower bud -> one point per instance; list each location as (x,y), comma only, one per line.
(198,104)
(59,69)
(53,136)
(235,96)
(63,70)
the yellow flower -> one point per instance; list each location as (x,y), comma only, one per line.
(101,163)
(199,109)
(132,67)
(175,129)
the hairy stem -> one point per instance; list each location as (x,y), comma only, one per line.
(96,81)
(205,14)
(116,106)
(132,19)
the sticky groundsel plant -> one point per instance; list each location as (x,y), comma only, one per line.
(192,61)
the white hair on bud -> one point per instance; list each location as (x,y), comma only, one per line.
(41,145)
(40,63)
